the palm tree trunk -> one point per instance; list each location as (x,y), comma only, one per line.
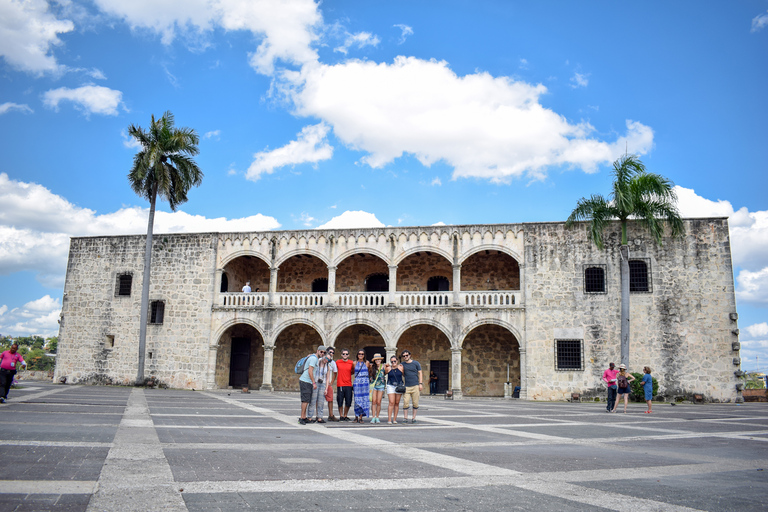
(145,289)
(624,249)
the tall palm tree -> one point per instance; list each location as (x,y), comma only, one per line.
(164,167)
(637,194)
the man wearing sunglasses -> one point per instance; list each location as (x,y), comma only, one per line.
(344,393)
(307,382)
(413,384)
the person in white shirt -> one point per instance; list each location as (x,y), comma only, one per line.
(247,287)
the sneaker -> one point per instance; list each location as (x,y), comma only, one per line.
(373,420)
(302,421)
(313,420)
(413,421)
(321,420)
(332,418)
(2,400)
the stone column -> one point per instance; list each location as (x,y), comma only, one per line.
(523,376)
(456,285)
(217,286)
(392,285)
(456,373)
(211,377)
(331,298)
(391,351)
(522,287)
(266,381)
(272,285)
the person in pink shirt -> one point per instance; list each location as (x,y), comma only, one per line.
(609,377)
(9,362)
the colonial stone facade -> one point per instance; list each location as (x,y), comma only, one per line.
(535,305)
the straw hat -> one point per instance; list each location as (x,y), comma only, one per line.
(377,356)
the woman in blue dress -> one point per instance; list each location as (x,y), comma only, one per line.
(361,387)
(647,383)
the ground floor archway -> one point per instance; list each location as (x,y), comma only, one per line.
(243,366)
(432,349)
(293,343)
(489,352)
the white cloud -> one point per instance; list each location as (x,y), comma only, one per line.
(436,181)
(759,22)
(212,134)
(359,40)
(28,31)
(405,31)
(36,318)
(352,220)
(523,64)
(752,287)
(484,126)
(757,330)
(754,353)
(287,27)
(35,227)
(9,107)
(128,141)
(91,99)
(306,219)
(310,146)
(579,80)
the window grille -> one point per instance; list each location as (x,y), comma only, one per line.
(124,282)
(569,355)
(594,279)
(639,279)
(157,312)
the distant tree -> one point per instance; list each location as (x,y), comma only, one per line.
(163,167)
(636,195)
(53,344)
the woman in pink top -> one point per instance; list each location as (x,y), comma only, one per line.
(9,362)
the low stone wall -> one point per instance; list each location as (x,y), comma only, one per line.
(34,375)
(755,395)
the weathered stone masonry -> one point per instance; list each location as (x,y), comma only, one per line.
(515,293)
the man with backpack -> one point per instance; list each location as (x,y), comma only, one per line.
(307,380)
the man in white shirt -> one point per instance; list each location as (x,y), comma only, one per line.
(247,287)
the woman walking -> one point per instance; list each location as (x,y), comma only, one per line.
(378,378)
(394,371)
(623,379)
(361,387)
(647,383)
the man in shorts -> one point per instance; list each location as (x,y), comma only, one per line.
(413,384)
(329,352)
(307,382)
(344,393)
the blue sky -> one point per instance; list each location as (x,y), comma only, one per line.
(349,113)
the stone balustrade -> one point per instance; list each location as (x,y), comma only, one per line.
(246,300)
(424,299)
(362,299)
(304,300)
(476,299)
(496,299)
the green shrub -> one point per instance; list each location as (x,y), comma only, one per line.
(637,389)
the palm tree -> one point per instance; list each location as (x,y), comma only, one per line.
(639,195)
(163,167)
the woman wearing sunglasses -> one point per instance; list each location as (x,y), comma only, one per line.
(361,387)
(394,371)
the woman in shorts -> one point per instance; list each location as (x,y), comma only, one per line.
(394,371)
(647,383)
(378,383)
(622,380)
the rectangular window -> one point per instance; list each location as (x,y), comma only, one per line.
(569,355)
(156,312)
(124,282)
(594,278)
(639,277)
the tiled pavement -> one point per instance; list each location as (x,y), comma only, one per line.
(109,448)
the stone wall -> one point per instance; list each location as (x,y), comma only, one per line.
(492,271)
(426,343)
(297,273)
(244,269)
(414,271)
(291,345)
(352,271)
(487,352)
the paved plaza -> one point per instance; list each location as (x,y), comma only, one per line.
(114,448)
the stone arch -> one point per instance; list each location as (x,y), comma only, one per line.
(490,357)
(360,250)
(490,321)
(358,321)
(423,248)
(293,340)
(303,252)
(244,252)
(422,321)
(297,321)
(230,323)
(239,355)
(491,247)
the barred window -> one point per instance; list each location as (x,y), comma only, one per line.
(124,282)
(638,276)
(157,312)
(594,279)
(569,355)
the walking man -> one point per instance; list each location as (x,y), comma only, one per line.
(344,392)
(329,352)
(609,377)
(413,384)
(9,363)
(307,382)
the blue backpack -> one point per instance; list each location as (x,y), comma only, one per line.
(301,365)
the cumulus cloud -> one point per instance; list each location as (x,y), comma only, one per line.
(212,134)
(36,318)
(287,28)
(579,80)
(752,287)
(353,219)
(90,99)
(359,40)
(28,31)
(485,127)
(35,227)
(759,22)
(405,31)
(757,330)
(310,146)
(9,107)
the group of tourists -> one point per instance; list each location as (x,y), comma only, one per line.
(359,382)
(618,386)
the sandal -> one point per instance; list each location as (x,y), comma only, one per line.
(321,420)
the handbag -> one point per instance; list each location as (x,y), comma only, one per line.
(400,388)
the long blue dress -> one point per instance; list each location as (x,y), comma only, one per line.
(361,389)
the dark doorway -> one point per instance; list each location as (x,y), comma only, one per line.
(438,284)
(320,285)
(377,283)
(441,369)
(240,362)
(224,283)
(372,351)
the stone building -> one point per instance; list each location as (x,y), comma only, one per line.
(532,304)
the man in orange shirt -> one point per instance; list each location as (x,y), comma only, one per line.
(344,393)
